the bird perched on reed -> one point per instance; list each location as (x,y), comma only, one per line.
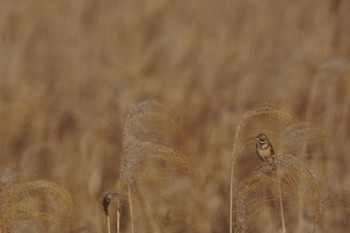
(264,148)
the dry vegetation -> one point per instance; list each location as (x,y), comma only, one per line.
(151,109)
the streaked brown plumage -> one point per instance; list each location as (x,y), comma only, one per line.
(264,148)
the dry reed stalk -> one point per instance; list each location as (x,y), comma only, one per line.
(131,210)
(108,224)
(118,216)
(281,207)
(106,200)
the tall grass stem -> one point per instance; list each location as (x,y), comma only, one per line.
(131,210)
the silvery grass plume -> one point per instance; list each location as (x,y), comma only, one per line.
(280,180)
(298,135)
(148,154)
(278,177)
(269,111)
(33,203)
(150,158)
(337,200)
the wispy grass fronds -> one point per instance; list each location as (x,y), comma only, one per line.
(148,153)
(37,201)
(271,181)
(148,121)
(149,162)
(146,156)
(297,135)
(292,172)
(250,200)
(266,110)
(336,199)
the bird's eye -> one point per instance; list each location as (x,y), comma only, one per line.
(262,140)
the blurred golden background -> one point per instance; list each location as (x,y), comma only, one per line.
(70,71)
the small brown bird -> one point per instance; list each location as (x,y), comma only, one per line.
(264,147)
